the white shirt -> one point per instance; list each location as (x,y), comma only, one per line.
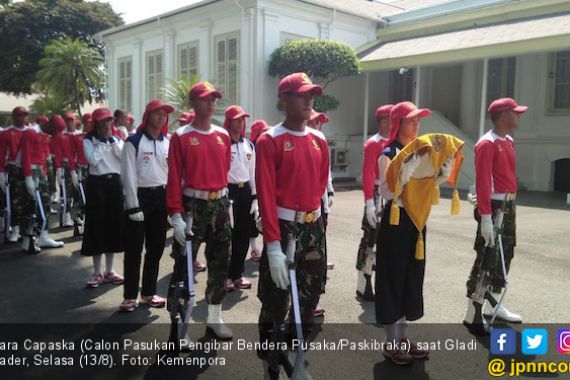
(103,156)
(144,164)
(242,168)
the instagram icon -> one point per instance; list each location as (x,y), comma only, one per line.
(563,341)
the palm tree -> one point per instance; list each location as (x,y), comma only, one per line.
(72,70)
(48,105)
(176,93)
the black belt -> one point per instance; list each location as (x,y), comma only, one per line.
(104,176)
(239,185)
(153,188)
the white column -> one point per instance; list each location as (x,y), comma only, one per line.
(138,96)
(366,101)
(418,85)
(205,52)
(247,59)
(483,97)
(271,42)
(169,56)
(324,30)
(112,84)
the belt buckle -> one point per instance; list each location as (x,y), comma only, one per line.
(240,185)
(213,195)
(310,217)
(511,197)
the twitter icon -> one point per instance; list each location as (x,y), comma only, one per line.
(534,341)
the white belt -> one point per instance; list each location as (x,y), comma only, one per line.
(504,196)
(65,159)
(34,166)
(298,216)
(204,194)
(377,182)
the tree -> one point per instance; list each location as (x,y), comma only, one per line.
(72,71)
(27,27)
(48,105)
(323,61)
(176,93)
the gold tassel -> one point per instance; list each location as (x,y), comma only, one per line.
(394,213)
(435,195)
(420,247)
(455,203)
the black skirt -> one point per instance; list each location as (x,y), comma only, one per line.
(104,215)
(399,276)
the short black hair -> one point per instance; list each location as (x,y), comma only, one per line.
(118,113)
(495,116)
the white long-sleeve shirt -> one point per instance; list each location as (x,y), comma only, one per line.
(103,156)
(144,164)
(242,167)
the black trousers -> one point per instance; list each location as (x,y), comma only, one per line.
(241,198)
(151,232)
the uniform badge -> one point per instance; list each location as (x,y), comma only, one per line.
(436,142)
(194,141)
(306,79)
(315,145)
(248,156)
(219,140)
(499,147)
(288,146)
(208,86)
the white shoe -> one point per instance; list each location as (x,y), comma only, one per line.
(14,234)
(503,313)
(26,245)
(474,320)
(46,242)
(54,198)
(67,222)
(216,324)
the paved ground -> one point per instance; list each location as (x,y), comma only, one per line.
(50,287)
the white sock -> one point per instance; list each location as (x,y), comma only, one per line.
(391,332)
(401,324)
(253,244)
(97,264)
(109,262)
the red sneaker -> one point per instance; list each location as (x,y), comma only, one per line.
(95,280)
(114,278)
(414,351)
(397,355)
(330,266)
(128,305)
(199,267)
(318,312)
(229,285)
(242,283)
(255,255)
(153,301)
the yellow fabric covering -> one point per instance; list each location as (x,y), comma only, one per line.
(422,190)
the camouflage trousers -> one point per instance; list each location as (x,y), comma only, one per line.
(508,236)
(83,174)
(71,193)
(32,212)
(18,195)
(310,264)
(366,246)
(210,225)
(51,175)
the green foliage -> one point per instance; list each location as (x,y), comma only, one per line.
(323,61)
(48,105)
(27,27)
(72,71)
(176,92)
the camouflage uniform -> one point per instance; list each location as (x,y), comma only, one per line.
(51,175)
(82,173)
(211,225)
(31,207)
(70,192)
(509,240)
(310,263)
(367,242)
(18,194)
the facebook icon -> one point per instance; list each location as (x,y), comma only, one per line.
(503,342)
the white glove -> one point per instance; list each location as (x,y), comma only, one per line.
(331,201)
(487,230)
(74,179)
(259,225)
(371,216)
(137,217)
(254,207)
(277,265)
(445,171)
(3,181)
(412,162)
(179,227)
(59,175)
(30,185)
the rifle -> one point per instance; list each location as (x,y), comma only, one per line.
(7,211)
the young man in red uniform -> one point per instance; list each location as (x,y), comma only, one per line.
(292,171)
(196,194)
(370,180)
(496,186)
(11,169)
(65,165)
(34,148)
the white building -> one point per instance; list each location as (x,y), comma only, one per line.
(437,55)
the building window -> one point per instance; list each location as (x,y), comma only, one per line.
(226,78)
(125,83)
(401,85)
(560,82)
(153,74)
(188,59)
(501,78)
